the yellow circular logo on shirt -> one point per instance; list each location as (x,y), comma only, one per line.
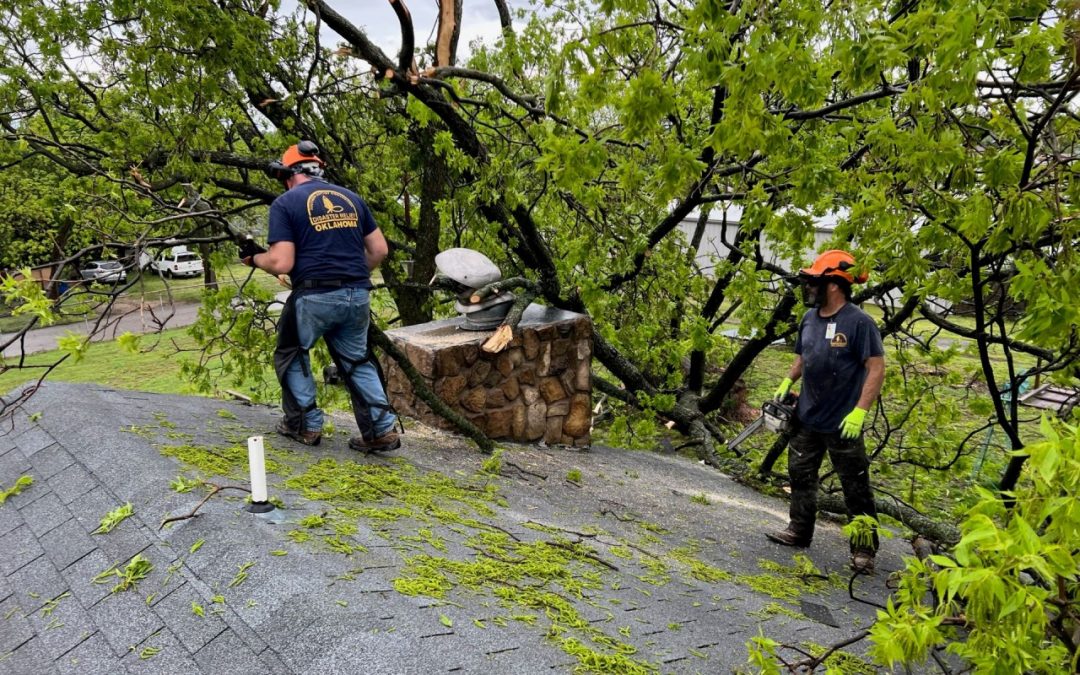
(331,210)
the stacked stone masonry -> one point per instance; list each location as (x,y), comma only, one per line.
(538,388)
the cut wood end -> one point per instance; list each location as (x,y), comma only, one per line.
(499,339)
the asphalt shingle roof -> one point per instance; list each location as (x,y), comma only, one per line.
(682,584)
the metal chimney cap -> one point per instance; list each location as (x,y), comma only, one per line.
(468,267)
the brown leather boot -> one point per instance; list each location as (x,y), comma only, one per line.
(305,437)
(786,537)
(385,443)
(862,562)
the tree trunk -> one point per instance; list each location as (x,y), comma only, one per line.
(946,533)
(413,297)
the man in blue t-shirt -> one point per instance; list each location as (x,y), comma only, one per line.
(324,237)
(841,360)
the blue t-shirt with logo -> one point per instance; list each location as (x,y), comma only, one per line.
(327,224)
(833,351)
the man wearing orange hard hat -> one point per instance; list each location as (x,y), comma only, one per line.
(325,238)
(841,361)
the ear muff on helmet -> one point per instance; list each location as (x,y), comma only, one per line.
(303,152)
(279,171)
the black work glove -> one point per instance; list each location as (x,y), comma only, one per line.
(248,247)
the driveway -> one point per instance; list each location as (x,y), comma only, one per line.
(127,316)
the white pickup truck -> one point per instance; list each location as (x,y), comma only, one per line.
(178,262)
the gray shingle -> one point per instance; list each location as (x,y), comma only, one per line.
(172,657)
(124,619)
(15,628)
(65,626)
(92,656)
(49,461)
(66,543)
(45,513)
(227,653)
(37,583)
(192,630)
(80,577)
(20,546)
(33,440)
(29,657)
(10,518)
(71,483)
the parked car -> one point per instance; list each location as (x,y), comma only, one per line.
(179,262)
(104,271)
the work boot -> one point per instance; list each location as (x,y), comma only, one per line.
(862,562)
(305,437)
(385,443)
(786,537)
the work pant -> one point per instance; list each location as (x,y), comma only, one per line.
(340,317)
(805,452)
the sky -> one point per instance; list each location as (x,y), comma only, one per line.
(479,19)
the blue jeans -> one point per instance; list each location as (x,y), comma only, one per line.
(341,318)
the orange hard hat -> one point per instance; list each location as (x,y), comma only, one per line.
(304,151)
(835,263)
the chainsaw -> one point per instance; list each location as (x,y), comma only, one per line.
(776,416)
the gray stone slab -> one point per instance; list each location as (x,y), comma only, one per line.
(15,628)
(66,543)
(45,513)
(33,440)
(20,546)
(10,518)
(61,629)
(92,656)
(37,583)
(49,461)
(176,610)
(227,653)
(71,483)
(124,619)
(157,654)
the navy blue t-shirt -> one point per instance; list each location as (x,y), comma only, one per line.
(833,364)
(327,224)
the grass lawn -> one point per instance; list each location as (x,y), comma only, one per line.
(155,370)
(84,303)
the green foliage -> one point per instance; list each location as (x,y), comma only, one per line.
(27,297)
(493,465)
(137,569)
(20,484)
(114,518)
(574,475)
(1011,581)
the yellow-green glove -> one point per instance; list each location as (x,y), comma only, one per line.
(783,389)
(851,426)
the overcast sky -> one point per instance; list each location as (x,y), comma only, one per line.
(479,19)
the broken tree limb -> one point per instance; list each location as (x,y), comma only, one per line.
(504,285)
(505,332)
(382,341)
(195,511)
(946,533)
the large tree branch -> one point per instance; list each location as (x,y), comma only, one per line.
(939,320)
